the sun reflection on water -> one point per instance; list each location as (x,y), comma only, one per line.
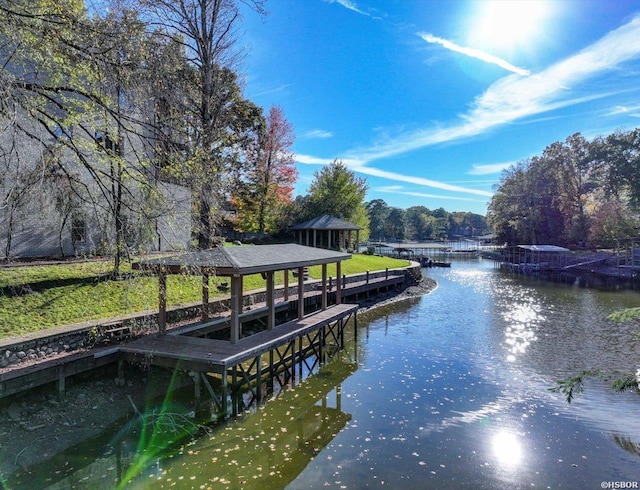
(507,448)
(523,320)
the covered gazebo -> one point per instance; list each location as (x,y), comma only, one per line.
(237,262)
(328,232)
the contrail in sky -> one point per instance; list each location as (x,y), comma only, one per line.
(473,53)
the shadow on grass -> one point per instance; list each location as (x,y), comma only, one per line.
(38,286)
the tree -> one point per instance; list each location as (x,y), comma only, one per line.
(218,121)
(378,212)
(265,194)
(395,224)
(419,223)
(577,193)
(68,84)
(39,92)
(619,156)
(572,162)
(508,207)
(336,191)
(122,73)
(611,220)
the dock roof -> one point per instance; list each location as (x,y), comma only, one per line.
(544,248)
(231,261)
(326,222)
(415,246)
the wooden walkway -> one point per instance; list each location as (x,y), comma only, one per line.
(349,290)
(181,347)
(201,354)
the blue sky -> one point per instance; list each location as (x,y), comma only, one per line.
(430,100)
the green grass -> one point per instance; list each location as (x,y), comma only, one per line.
(38,297)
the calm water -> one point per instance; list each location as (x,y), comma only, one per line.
(449,390)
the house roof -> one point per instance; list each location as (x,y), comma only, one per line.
(326,222)
(231,261)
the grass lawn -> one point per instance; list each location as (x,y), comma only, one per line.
(37,297)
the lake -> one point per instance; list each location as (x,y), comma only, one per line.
(449,390)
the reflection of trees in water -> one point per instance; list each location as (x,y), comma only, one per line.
(627,444)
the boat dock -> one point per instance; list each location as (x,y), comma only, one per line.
(282,347)
(241,357)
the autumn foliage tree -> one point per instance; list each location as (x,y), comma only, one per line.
(578,193)
(265,193)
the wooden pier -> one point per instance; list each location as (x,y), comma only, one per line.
(255,362)
(240,358)
(57,370)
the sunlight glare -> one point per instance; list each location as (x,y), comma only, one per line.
(507,448)
(504,24)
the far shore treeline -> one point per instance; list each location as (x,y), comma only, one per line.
(578,194)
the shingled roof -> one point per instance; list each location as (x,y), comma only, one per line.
(229,261)
(326,222)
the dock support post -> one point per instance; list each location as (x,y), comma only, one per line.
(324,286)
(300,293)
(271,311)
(120,372)
(338,283)
(355,325)
(234,391)
(205,297)
(61,382)
(300,354)
(270,384)
(162,302)
(225,407)
(196,387)
(258,378)
(286,284)
(236,307)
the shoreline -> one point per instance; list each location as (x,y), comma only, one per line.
(425,286)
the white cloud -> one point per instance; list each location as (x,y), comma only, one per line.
(490,168)
(395,190)
(271,90)
(348,4)
(509,99)
(311,160)
(515,97)
(318,133)
(620,109)
(374,172)
(473,53)
(360,166)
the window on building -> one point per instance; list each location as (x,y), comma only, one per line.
(105,141)
(78,229)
